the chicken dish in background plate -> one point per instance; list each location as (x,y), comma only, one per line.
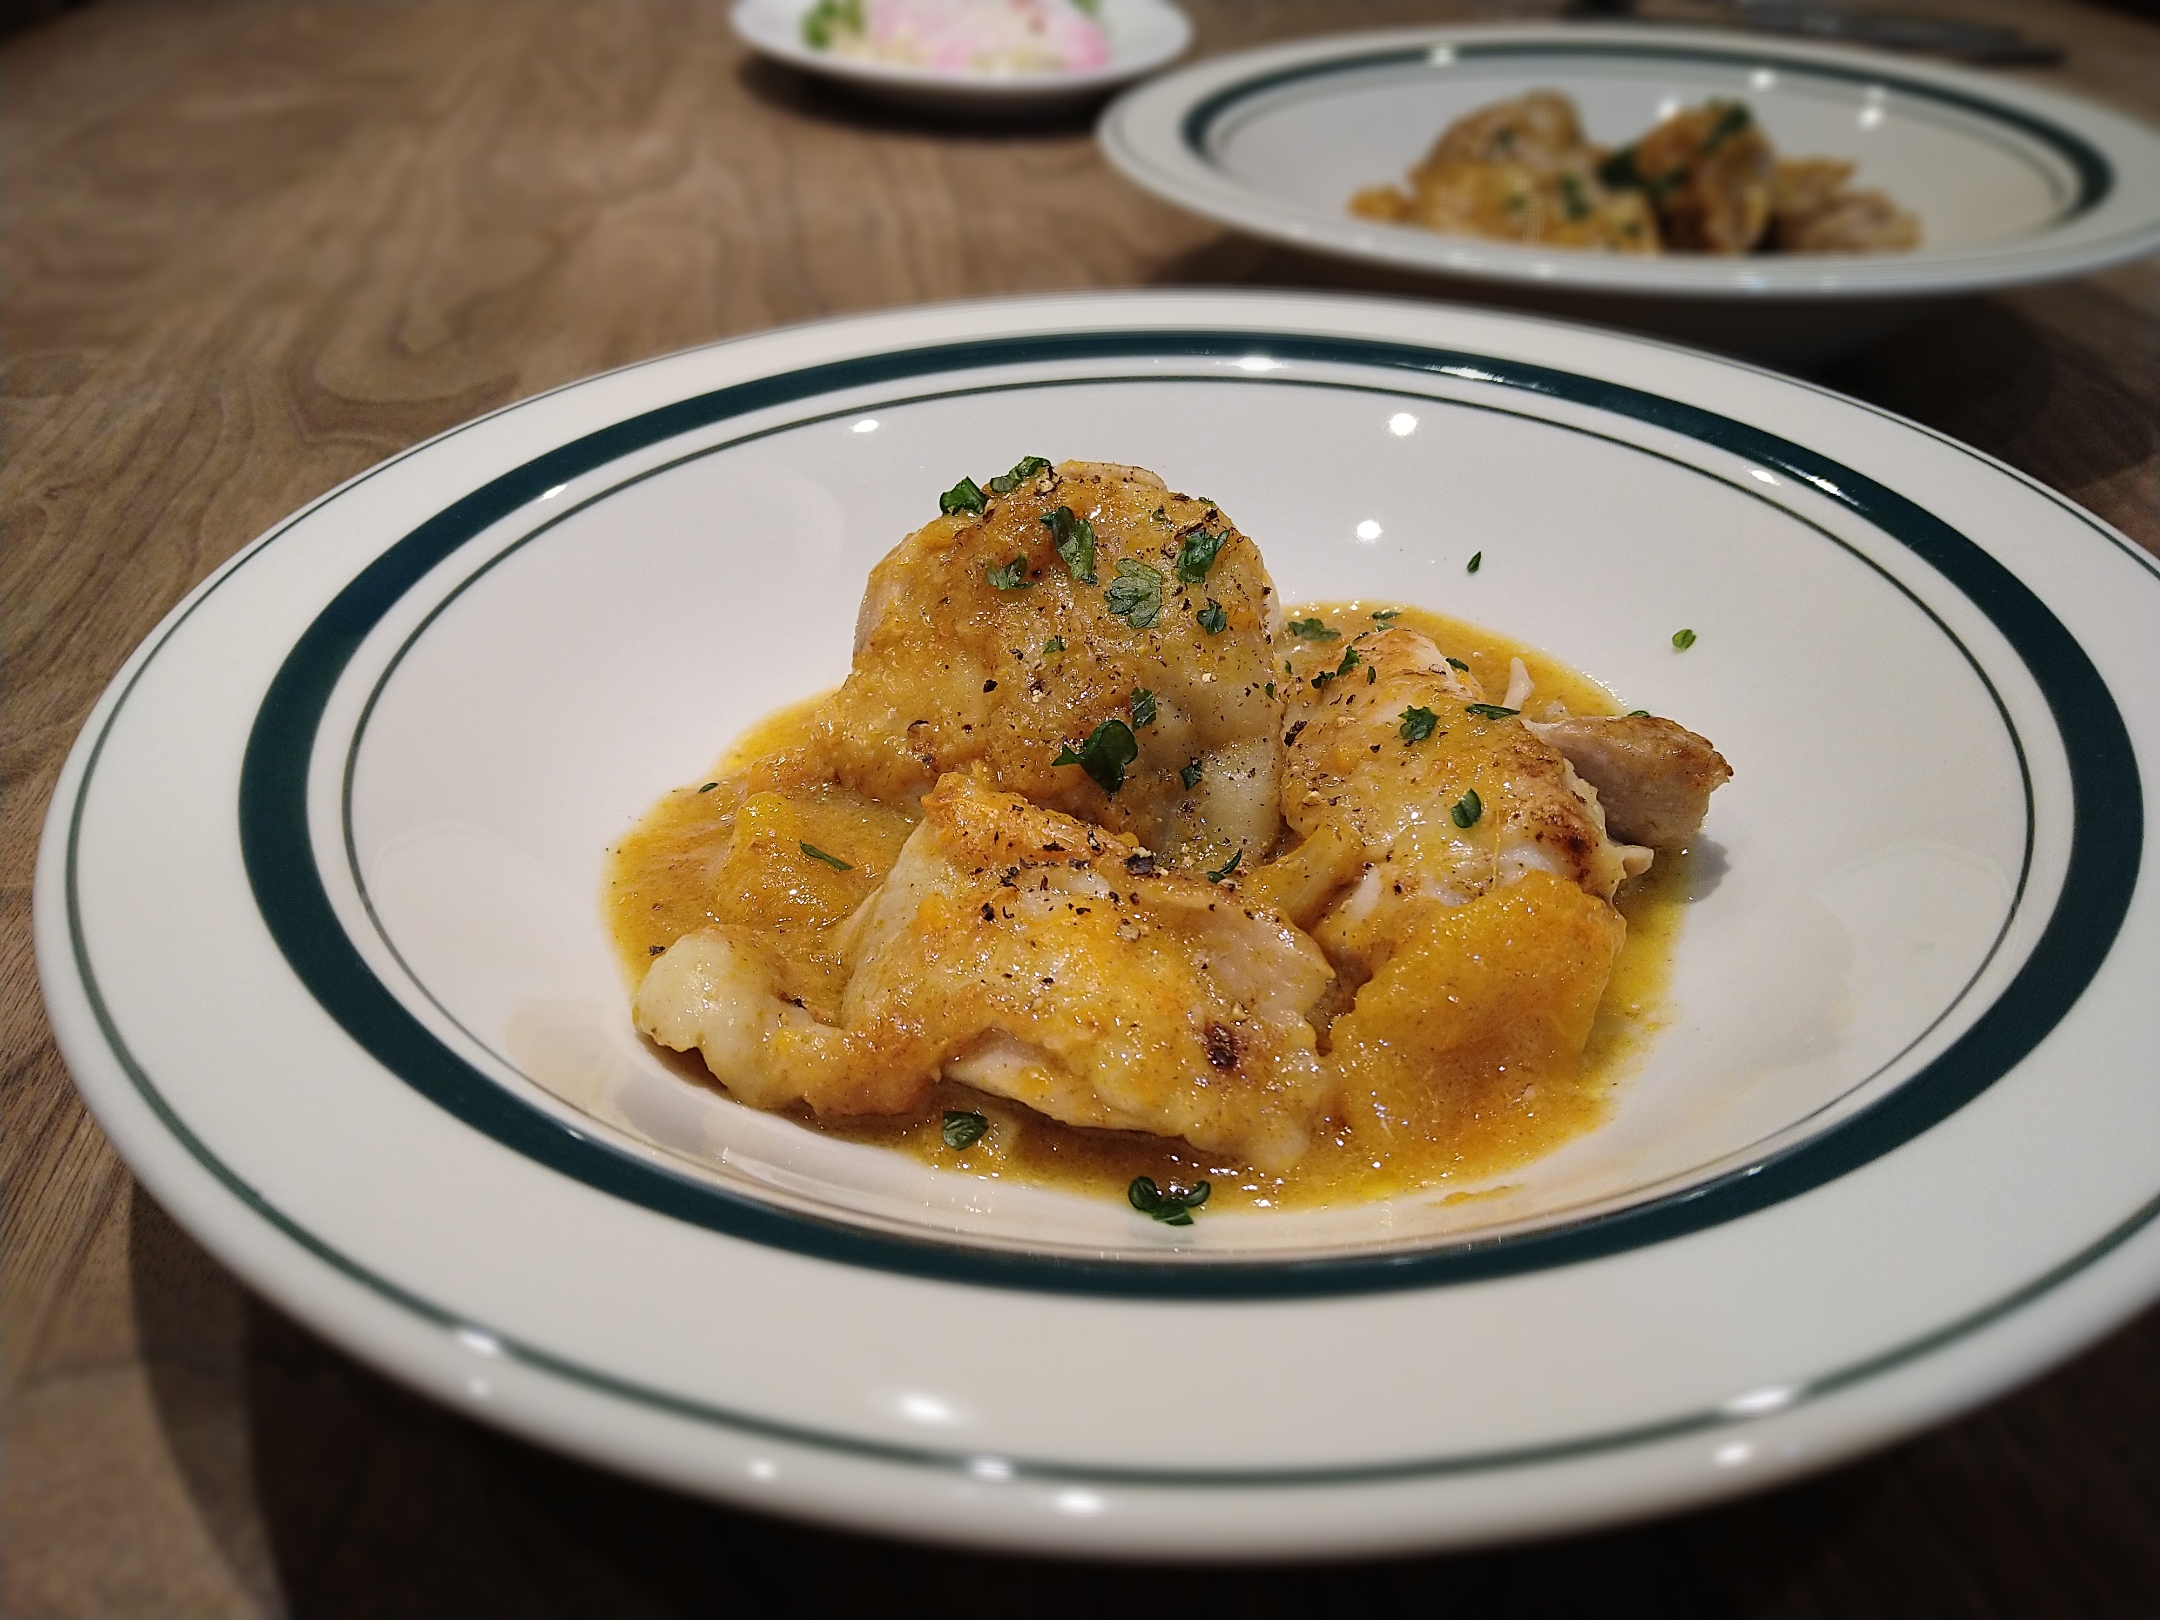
(2014,184)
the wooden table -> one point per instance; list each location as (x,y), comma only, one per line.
(252,248)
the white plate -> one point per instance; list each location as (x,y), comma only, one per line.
(319,927)
(2013,184)
(1142,35)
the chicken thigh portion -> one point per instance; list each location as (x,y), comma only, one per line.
(1100,644)
(1408,785)
(1028,954)
(1653,776)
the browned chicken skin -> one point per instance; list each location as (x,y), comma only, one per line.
(1653,776)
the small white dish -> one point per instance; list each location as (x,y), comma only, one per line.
(1143,35)
(319,927)
(2013,184)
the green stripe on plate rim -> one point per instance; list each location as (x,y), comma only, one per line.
(2095,175)
(1747,488)
(2106,847)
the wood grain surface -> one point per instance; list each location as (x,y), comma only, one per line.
(251,248)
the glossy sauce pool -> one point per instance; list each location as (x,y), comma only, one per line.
(662,882)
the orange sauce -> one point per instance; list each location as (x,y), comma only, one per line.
(673,874)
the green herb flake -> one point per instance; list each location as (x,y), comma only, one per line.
(1313,630)
(1467,809)
(1477,561)
(1572,198)
(1491,711)
(1025,468)
(1383,615)
(962,497)
(1418,724)
(1457,663)
(1171,1207)
(1190,776)
(1372,673)
(1730,122)
(1212,618)
(1270,688)
(833,861)
(1349,662)
(1227,867)
(708,787)
(822,19)
(1109,749)
(1056,644)
(963,1128)
(1638,714)
(1135,595)
(1013,576)
(1683,639)
(1196,555)
(1143,706)
(1075,542)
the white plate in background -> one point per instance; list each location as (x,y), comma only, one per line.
(319,925)
(2012,183)
(1142,35)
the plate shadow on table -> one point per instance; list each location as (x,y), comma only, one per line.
(804,95)
(335,1492)
(1982,369)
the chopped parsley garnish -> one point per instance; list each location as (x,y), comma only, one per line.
(1349,662)
(1730,122)
(1638,714)
(1196,555)
(1572,198)
(1619,171)
(1683,639)
(1013,576)
(1459,664)
(1075,542)
(1212,618)
(1270,688)
(833,861)
(1143,706)
(1382,615)
(708,787)
(1418,724)
(1313,630)
(962,497)
(1172,1208)
(1372,673)
(1227,867)
(963,1128)
(1477,561)
(1190,776)
(1025,468)
(1467,809)
(1491,711)
(1136,594)
(1056,644)
(1109,749)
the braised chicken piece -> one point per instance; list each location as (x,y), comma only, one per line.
(1098,643)
(1031,955)
(1455,871)
(1520,171)
(1710,174)
(1814,212)
(1653,776)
